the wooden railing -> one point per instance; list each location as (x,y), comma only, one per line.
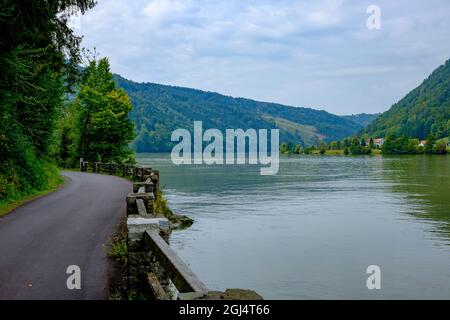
(138,173)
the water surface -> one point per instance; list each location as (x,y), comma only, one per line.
(311,231)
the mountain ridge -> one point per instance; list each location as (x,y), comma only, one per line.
(159,109)
(363,119)
(424,110)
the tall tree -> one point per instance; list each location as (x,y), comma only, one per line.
(102,109)
(38,52)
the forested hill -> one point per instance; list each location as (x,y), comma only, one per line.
(424,110)
(363,119)
(159,109)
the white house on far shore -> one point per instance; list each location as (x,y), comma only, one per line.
(422,143)
(377,142)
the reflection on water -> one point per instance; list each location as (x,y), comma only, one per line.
(424,181)
(312,230)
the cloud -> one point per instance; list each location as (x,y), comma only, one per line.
(159,11)
(315,53)
(158,8)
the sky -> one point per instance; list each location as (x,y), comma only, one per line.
(312,53)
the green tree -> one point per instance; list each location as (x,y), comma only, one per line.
(431,140)
(389,146)
(104,129)
(357,148)
(440,147)
(38,55)
(334,145)
(309,150)
(400,145)
(289,147)
(423,111)
(363,142)
(323,148)
(283,148)
(347,143)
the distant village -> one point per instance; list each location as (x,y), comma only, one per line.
(378,142)
(389,145)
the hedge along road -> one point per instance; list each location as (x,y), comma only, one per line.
(71,226)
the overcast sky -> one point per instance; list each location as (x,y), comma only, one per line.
(317,53)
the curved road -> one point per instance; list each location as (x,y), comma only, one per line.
(71,226)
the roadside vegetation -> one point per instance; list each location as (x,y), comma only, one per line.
(57,104)
(38,58)
(16,197)
(161,208)
(118,249)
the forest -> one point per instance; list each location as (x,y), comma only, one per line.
(423,111)
(53,111)
(160,109)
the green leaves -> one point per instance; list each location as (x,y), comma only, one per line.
(424,110)
(37,55)
(160,109)
(102,124)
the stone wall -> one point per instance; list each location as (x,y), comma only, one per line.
(154,270)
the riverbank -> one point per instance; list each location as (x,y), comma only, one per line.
(332,153)
(376,152)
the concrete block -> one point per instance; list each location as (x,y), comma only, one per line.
(131,202)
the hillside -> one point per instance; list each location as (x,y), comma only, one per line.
(363,119)
(424,110)
(159,109)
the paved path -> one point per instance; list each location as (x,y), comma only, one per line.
(71,226)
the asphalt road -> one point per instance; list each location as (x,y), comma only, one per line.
(71,226)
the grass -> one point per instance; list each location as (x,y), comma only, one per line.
(118,249)
(330,152)
(161,208)
(117,252)
(54,182)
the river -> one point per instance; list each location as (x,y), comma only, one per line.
(311,231)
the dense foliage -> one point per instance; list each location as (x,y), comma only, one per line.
(38,54)
(359,147)
(159,109)
(423,111)
(405,145)
(96,126)
(363,119)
